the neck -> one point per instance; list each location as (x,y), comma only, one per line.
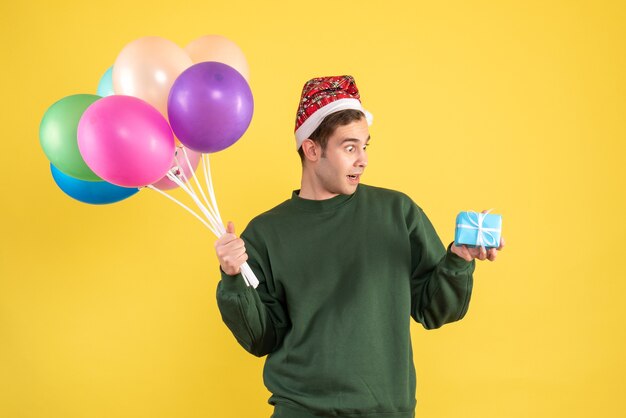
(311,189)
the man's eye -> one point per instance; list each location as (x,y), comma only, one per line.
(350,148)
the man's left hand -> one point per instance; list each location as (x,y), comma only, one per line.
(469,254)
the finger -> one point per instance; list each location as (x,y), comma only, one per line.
(467,254)
(242,258)
(228,236)
(238,259)
(234,265)
(224,250)
(482,254)
(492,254)
(501,246)
(232,258)
(231,268)
(234,245)
(474,252)
(236,253)
(225,240)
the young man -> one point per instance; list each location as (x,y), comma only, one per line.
(342,267)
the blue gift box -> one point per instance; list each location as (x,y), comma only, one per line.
(476,229)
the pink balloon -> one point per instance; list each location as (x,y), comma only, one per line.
(125,141)
(194,159)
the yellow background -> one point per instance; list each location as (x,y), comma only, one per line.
(109,311)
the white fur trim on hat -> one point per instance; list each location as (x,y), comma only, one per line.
(310,125)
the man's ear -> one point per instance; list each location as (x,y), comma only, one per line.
(311,150)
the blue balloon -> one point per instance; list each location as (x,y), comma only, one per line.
(105,86)
(92,192)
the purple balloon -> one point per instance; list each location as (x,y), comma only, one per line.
(210,106)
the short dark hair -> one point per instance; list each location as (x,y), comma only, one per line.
(328,126)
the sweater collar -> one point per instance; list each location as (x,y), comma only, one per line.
(322,205)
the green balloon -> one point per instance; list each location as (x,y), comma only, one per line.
(57,135)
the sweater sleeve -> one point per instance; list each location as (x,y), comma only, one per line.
(256,317)
(441,281)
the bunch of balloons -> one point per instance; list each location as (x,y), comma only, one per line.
(158,111)
(123,135)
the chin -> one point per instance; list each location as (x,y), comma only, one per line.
(349,189)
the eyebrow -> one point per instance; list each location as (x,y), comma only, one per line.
(355,140)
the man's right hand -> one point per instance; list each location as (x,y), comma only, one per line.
(231,251)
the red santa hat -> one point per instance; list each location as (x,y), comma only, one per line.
(322,96)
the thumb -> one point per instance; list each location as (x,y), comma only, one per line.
(230,228)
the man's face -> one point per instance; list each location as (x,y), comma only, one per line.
(341,165)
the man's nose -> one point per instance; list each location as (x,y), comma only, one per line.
(362,160)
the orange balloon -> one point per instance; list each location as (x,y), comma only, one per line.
(147,67)
(220,49)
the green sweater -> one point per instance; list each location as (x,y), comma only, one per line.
(339,281)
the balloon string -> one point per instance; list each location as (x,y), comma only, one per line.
(184,178)
(210,211)
(192,189)
(244,273)
(209,182)
(193,196)
(182,205)
(212,208)
(206,164)
(247,273)
(210,220)
(195,178)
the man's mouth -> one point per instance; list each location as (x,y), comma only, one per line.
(354,177)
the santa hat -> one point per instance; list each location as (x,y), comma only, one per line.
(322,96)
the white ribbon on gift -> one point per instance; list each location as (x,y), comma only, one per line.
(485,235)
